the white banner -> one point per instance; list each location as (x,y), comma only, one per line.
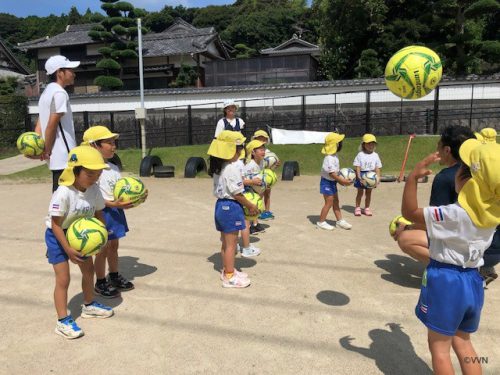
(297,137)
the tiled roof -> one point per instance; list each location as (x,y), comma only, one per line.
(180,38)
(9,62)
(292,46)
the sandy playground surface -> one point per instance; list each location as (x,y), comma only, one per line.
(320,302)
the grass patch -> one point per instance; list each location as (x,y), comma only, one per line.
(390,148)
(7,152)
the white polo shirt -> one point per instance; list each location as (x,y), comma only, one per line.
(73,204)
(229,182)
(251,169)
(453,238)
(55,99)
(367,162)
(331,164)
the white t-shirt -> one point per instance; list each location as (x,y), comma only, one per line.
(453,238)
(240,165)
(229,182)
(221,126)
(107,181)
(367,162)
(331,164)
(73,204)
(55,99)
(251,169)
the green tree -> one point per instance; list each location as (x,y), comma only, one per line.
(118,31)
(187,76)
(74,17)
(242,51)
(368,65)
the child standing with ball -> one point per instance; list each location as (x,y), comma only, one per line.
(103,140)
(224,151)
(367,160)
(77,196)
(452,294)
(261,135)
(329,179)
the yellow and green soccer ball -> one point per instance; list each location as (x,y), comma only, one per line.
(413,72)
(393,225)
(255,198)
(30,144)
(87,235)
(269,178)
(129,189)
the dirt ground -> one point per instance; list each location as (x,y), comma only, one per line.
(320,302)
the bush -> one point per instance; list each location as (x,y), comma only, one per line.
(108,82)
(108,64)
(13,113)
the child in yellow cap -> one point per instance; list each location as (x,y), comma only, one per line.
(452,293)
(329,179)
(367,160)
(224,151)
(77,196)
(261,135)
(104,141)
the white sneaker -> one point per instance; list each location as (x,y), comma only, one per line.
(250,251)
(68,328)
(235,282)
(343,224)
(324,225)
(96,310)
(244,275)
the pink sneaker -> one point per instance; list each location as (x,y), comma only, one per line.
(236,272)
(367,211)
(235,282)
(357,211)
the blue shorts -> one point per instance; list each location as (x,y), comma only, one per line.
(55,252)
(229,216)
(116,222)
(327,187)
(451,298)
(358,184)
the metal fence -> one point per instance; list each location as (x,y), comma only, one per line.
(353,113)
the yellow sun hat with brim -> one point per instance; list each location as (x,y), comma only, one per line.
(252,146)
(367,138)
(243,154)
(489,135)
(81,156)
(224,146)
(260,133)
(479,137)
(97,133)
(331,143)
(480,196)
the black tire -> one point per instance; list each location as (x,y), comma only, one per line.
(116,161)
(290,170)
(148,164)
(164,171)
(194,165)
(388,178)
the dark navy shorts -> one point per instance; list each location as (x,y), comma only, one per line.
(358,184)
(451,298)
(116,222)
(327,187)
(229,216)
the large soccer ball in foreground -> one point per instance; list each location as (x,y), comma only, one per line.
(413,72)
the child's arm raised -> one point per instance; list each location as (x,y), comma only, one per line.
(73,255)
(409,207)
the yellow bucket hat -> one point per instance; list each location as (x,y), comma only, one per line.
(84,156)
(367,138)
(252,146)
(480,196)
(260,133)
(331,143)
(489,135)
(224,146)
(97,133)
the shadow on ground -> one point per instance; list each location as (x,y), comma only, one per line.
(239,262)
(315,218)
(402,270)
(348,208)
(392,351)
(130,268)
(332,298)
